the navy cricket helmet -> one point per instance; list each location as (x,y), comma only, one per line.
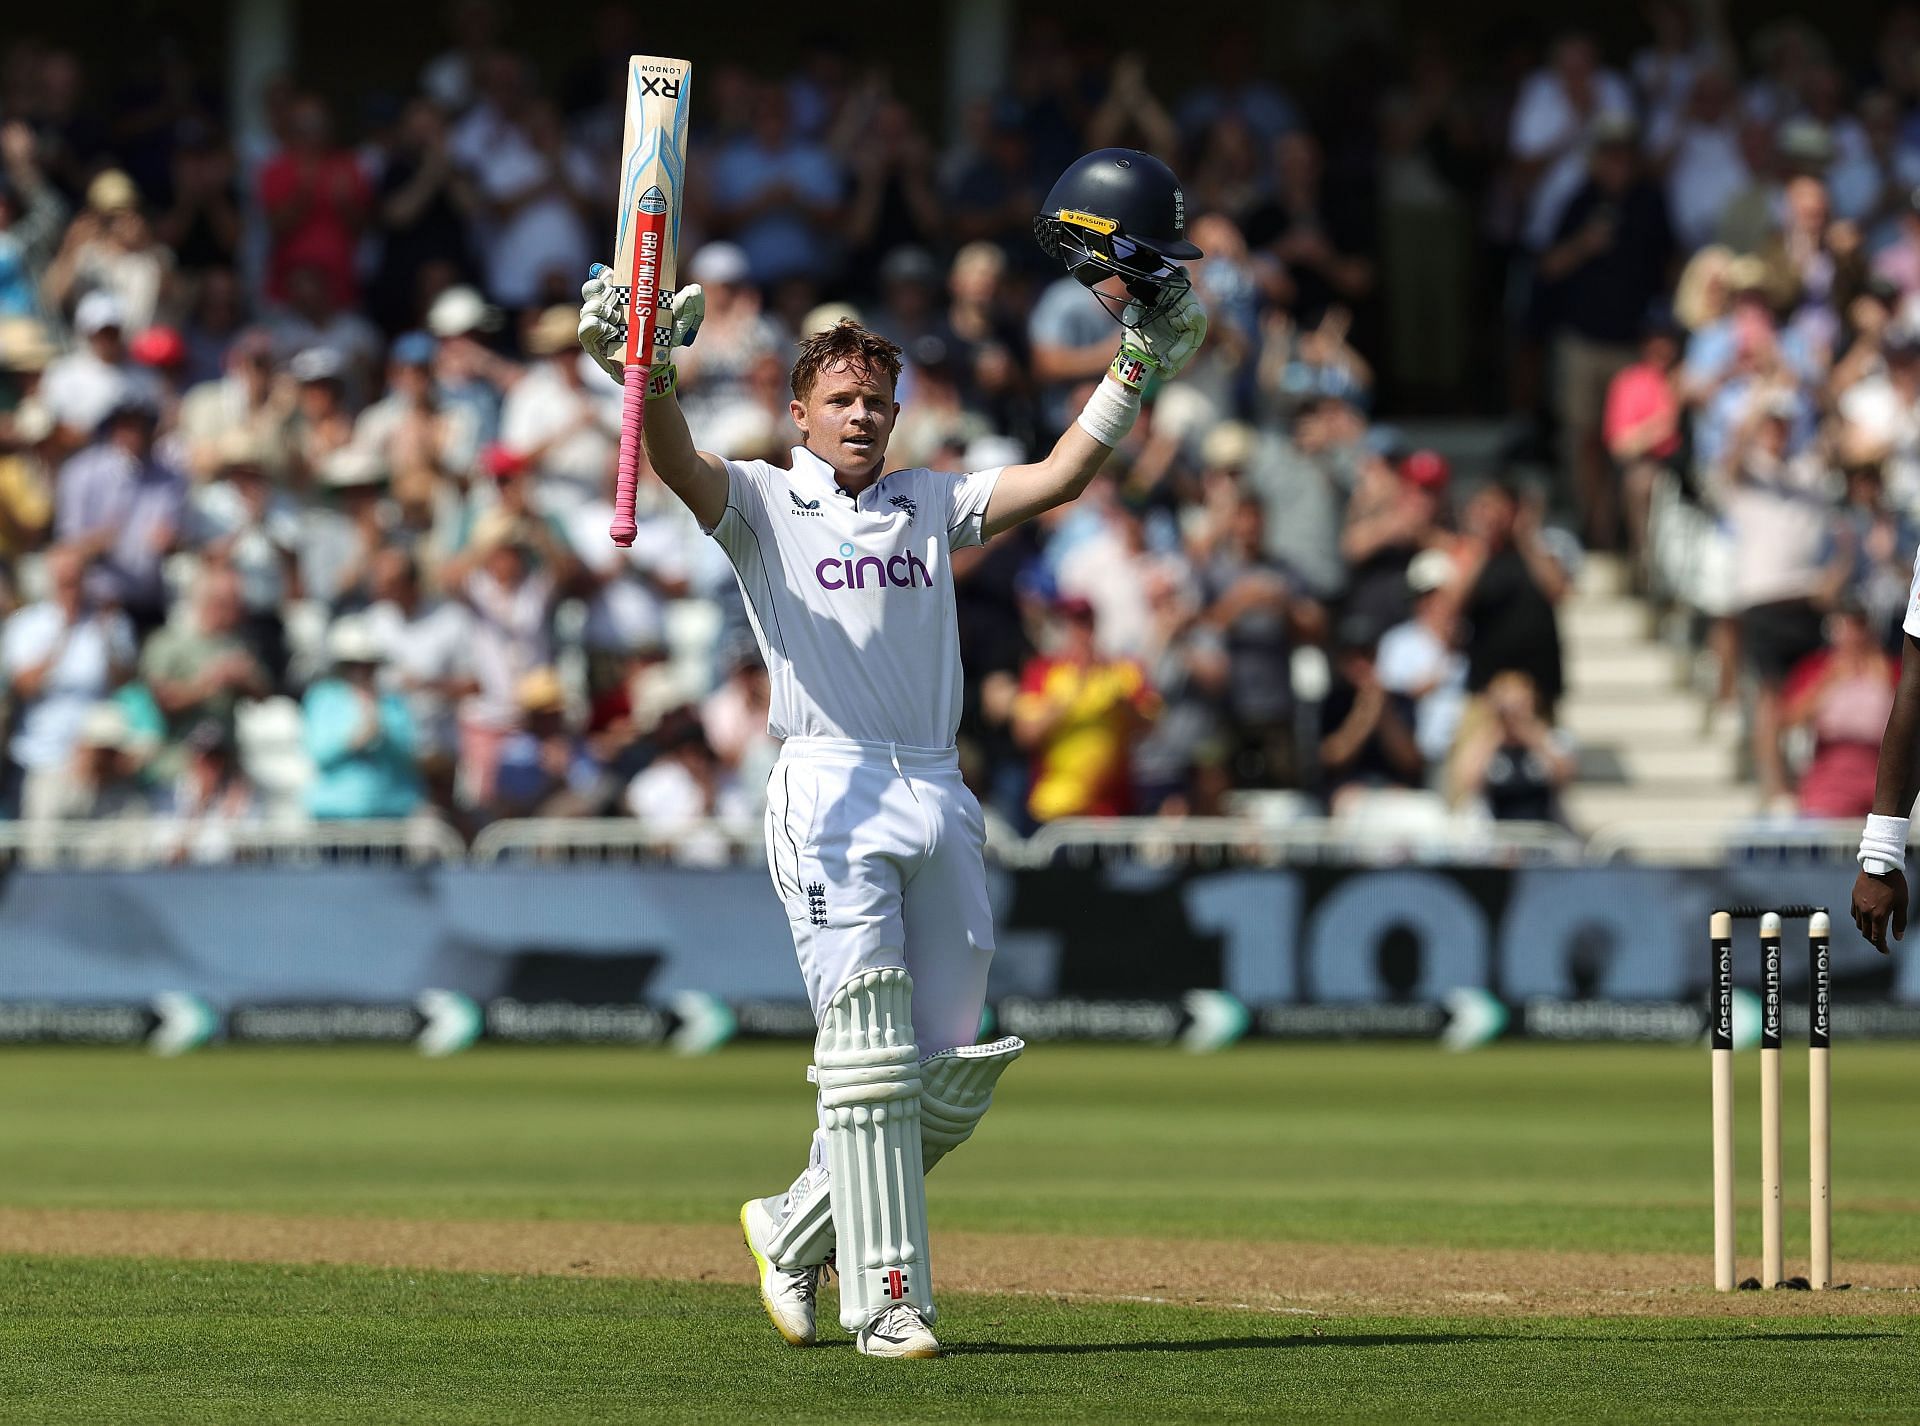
(1120,213)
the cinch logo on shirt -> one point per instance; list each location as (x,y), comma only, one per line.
(906,571)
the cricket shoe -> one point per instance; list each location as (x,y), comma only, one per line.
(787,1294)
(897,1331)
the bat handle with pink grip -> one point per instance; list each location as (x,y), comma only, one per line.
(633,412)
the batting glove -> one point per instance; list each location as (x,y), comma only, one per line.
(603,320)
(1164,344)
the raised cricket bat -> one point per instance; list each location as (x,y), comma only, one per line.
(646,241)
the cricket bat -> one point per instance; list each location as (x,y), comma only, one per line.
(646,243)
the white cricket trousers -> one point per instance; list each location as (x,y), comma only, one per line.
(877,853)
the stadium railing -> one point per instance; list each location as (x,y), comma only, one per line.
(136,842)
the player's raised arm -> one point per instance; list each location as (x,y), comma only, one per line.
(698,477)
(1117,220)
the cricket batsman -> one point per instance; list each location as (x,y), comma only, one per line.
(873,842)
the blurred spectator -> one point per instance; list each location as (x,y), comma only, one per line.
(198,667)
(1606,266)
(424,205)
(121,505)
(110,248)
(470,375)
(60,657)
(1506,584)
(242,522)
(1324,242)
(1699,152)
(1366,733)
(81,387)
(1872,541)
(360,738)
(209,797)
(1553,115)
(628,590)
(779,197)
(734,718)
(1776,503)
(545,770)
(1234,89)
(1898,263)
(411,432)
(315,199)
(894,203)
(106,777)
(1072,340)
(735,335)
(1251,606)
(1842,694)
(201,226)
(1078,715)
(31,214)
(312,324)
(1513,763)
(247,402)
(1880,416)
(684,786)
(1395,513)
(563,416)
(1419,659)
(1641,428)
(1109,563)
(320,428)
(26,484)
(426,653)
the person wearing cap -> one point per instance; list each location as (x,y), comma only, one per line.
(1077,715)
(546,769)
(361,738)
(240,520)
(321,424)
(57,659)
(110,247)
(1606,265)
(81,387)
(122,504)
(568,431)
(735,334)
(423,440)
(1420,658)
(105,777)
(313,320)
(469,374)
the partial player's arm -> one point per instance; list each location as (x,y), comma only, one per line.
(1163,345)
(1880,891)
(698,477)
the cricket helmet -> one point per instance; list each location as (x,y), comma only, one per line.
(1120,213)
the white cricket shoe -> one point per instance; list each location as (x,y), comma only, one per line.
(787,1294)
(897,1331)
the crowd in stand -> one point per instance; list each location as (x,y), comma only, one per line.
(305,483)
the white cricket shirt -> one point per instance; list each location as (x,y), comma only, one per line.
(852,599)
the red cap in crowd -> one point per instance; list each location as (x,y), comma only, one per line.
(1427,469)
(158,346)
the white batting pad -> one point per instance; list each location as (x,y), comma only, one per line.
(869,1075)
(956,1089)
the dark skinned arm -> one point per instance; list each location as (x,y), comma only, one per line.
(1880,902)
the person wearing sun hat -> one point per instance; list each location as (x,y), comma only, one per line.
(361,738)
(569,430)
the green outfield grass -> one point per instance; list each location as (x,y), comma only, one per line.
(112,1341)
(1600,1148)
(1519,1146)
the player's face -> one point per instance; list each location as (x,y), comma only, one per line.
(847,418)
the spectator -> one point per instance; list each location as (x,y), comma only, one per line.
(1700,154)
(426,654)
(81,387)
(360,738)
(1606,266)
(683,787)
(1842,694)
(247,402)
(629,590)
(1880,416)
(566,430)
(32,214)
(1324,243)
(106,778)
(735,335)
(1777,504)
(60,657)
(1253,609)
(315,199)
(202,223)
(1641,428)
(320,428)
(121,504)
(1514,763)
(243,523)
(1419,659)
(411,432)
(1872,541)
(1898,263)
(215,320)
(111,248)
(533,188)
(545,770)
(734,718)
(778,196)
(470,376)
(894,203)
(211,796)
(1505,586)
(341,537)
(1557,107)
(312,322)
(198,668)
(423,208)
(26,475)
(1395,513)
(1366,733)
(1071,338)
(1078,715)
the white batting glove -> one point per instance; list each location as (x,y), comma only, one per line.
(1166,343)
(603,319)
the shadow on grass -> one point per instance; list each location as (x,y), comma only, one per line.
(1384,1339)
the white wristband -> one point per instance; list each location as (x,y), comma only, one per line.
(1110,412)
(1883,845)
